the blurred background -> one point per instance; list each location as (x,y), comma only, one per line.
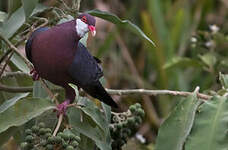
(191,38)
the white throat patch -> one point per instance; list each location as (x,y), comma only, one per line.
(81,28)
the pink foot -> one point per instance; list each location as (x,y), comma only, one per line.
(35,75)
(61,108)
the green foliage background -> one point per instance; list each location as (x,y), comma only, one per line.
(177,62)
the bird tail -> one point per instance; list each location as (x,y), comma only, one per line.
(96,90)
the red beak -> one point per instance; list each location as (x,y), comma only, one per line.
(92,29)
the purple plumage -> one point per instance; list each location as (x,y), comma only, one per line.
(58,56)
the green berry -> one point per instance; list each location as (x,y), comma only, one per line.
(77,138)
(65,137)
(71,136)
(48,130)
(35,129)
(132,108)
(70,147)
(138,119)
(57,139)
(47,135)
(137,105)
(74,143)
(64,144)
(24,146)
(43,143)
(28,132)
(119,126)
(130,121)
(29,139)
(49,147)
(60,134)
(51,140)
(124,124)
(42,131)
(41,125)
(141,113)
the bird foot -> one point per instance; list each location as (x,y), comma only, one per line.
(61,108)
(35,75)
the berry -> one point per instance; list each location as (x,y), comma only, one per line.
(77,138)
(137,105)
(48,130)
(29,139)
(28,132)
(51,140)
(42,131)
(71,136)
(132,108)
(141,113)
(49,147)
(65,137)
(130,121)
(138,119)
(64,144)
(35,129)
(60,134)
(24,146)
(57,139)
(70,147)
(47,135)
(74,143)
(41,125)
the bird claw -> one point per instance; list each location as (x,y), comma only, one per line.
(61,108)
(35,75)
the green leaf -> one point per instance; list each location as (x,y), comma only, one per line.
(182,62)
(209,59)
(120,23)
(86,143)
(94,112)
(223,80)
(12,101)
(39,91)
(3,16)
(209,131)
(107,111)
(13,5)
(16,20)
(29,6)
(19,62)
(174,131)
(87,121)
(23,111)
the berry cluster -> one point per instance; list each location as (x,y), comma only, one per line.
(40,137)
(124,125)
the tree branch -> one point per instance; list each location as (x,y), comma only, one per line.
(117,92)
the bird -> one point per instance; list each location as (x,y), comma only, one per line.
(58,56)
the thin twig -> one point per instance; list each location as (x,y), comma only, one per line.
(58,124)
(5,55)
(6,63)
(117,92)
(11,46)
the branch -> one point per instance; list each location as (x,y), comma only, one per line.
(117,92)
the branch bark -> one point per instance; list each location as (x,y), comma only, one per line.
(117,92)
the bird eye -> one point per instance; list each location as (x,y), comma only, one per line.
(84,19)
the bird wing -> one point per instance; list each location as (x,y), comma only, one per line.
(86,73)
(84,68)
(28,46)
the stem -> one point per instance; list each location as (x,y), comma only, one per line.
(58,124)
(118,92)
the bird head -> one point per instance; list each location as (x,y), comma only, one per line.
(84,24)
